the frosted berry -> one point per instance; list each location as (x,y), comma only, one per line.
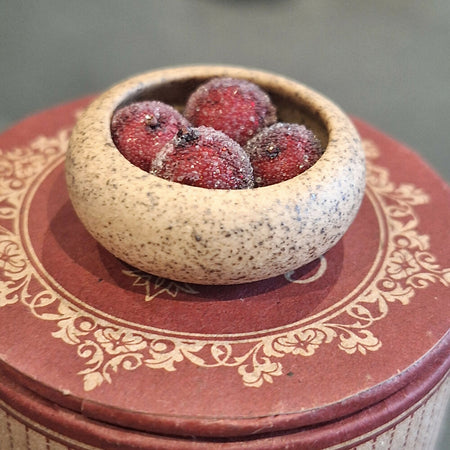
(204,157)
(282,151)
(239,108)
(141,129)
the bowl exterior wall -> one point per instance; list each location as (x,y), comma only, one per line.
(213,236)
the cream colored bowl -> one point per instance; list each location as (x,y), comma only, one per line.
(210,236)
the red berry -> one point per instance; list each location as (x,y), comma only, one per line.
(239,108)
(140,130)
(282,151)
(206,158)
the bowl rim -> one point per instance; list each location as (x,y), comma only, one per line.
(332,117)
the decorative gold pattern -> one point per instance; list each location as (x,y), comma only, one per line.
(155,286)
(406,266)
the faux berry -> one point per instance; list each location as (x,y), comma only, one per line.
(237,107)
(204,157)
(141,129)
(282,151)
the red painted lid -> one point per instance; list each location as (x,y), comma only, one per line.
(91,334)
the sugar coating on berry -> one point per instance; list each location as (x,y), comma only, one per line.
(281,152)
(204,157)
(237,107)
(141,129)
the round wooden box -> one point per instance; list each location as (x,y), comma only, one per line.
(350,351)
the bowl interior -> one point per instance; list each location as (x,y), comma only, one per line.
(290,108)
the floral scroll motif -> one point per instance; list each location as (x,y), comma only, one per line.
(107,348)
(20,166)
(14,270)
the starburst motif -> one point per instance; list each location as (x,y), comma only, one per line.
(156,286)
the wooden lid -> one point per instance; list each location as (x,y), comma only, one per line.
(83,330)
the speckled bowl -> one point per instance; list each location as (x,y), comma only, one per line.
(208,236)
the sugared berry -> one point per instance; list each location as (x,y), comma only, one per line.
(282,151)
(206,158)
(237,107)
(141,129)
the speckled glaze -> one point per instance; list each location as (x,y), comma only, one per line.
(211,236)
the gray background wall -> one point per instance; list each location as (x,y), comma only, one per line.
(386,61)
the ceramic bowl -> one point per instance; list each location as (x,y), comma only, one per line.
(209,236)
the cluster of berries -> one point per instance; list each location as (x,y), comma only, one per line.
(228,138)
